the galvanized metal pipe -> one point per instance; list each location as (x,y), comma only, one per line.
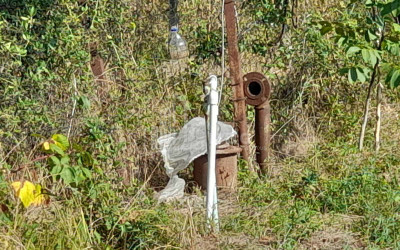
(212,200)
(239,100)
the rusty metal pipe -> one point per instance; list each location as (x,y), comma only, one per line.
(239,100)
(257,90)
(262,134)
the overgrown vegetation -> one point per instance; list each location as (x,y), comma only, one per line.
(89,143)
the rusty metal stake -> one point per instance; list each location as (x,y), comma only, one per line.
(237,80)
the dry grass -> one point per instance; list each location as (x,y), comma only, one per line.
(332,239)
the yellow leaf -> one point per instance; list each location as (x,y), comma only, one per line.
(46,145)
(39,197)
(17,186)
(29,194)
(26,194)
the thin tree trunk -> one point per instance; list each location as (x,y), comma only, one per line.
(378,117)
(366,109)
(368,100)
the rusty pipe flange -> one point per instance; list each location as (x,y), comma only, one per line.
(256,88)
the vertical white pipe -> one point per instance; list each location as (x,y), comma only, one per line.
(212,200)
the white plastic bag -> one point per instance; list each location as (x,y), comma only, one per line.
(180,149)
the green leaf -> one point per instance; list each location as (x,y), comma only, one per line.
(380,21)
(68,175)
(366,56)
(360,75)
(395,79)
(342,40)
(392,46)
(87,172)
(56,149)
(366,71)
(340,31)
(87,159)
(79,178)
(98,170)
(352,75)
(54,161)
(371,36)
(84,102)
(389,76)
(395,49)
(65,160)
(377,54)
(325,29)
(61,141)
(352,50)
(77,147)
(343,71)
(352,34)
(373,58)
(98,236)
(56,169)
(390,7)
(396,27)
(32,11)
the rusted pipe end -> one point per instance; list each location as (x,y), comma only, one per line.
(256,88)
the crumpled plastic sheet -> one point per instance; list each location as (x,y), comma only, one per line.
(180,149)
